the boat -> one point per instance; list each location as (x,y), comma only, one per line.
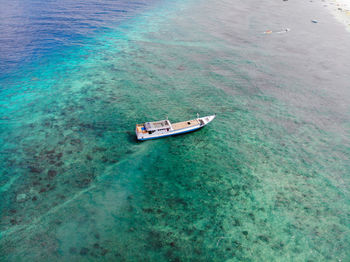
(163,128)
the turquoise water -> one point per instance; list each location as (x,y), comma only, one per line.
(268,180)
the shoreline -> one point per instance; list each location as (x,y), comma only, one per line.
(340,9)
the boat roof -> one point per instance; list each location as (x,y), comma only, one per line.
(152,126)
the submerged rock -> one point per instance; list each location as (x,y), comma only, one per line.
(21,197)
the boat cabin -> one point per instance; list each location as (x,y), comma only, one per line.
(151,127)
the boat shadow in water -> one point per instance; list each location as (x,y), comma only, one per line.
(132,138)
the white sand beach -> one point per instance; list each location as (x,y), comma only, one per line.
(340,9)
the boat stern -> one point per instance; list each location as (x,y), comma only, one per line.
(140,131)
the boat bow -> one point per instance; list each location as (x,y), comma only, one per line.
(206,119)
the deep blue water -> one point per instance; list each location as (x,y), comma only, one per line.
(35,29)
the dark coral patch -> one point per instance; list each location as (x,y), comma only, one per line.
(83,183)
(236,222)
(59,163)
(237,244)
(148,210)
(278,246)
(252,217)
(75,142)
(263,238)
(34,169)
(59,155)
(83,251)
(99,149)
(50,152)
(154,239)
(51,173)
(104,252)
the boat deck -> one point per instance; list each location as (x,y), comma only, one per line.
(184,124)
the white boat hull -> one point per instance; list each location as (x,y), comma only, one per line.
(203,121)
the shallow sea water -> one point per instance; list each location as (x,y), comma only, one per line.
(268,180)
